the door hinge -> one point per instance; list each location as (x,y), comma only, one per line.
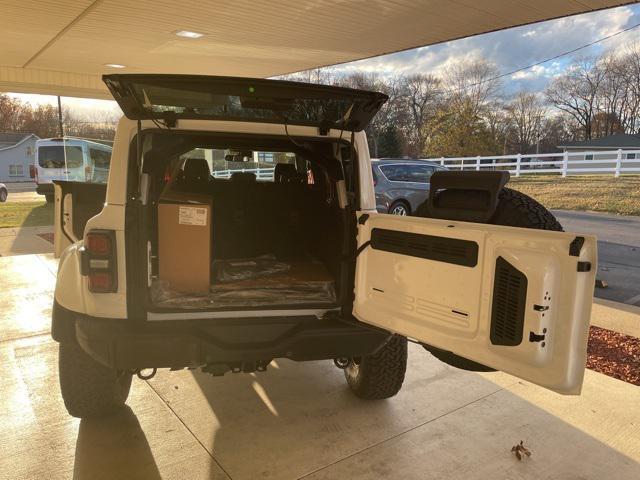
(576,246)
(363,218)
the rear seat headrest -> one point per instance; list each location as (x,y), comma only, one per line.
(287,173)
(196,170)
(243,177)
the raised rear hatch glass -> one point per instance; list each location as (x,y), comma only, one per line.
(172,97)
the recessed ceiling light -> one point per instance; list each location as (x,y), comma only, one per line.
(114,65)
(188,34)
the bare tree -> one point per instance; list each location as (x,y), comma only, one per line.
(389,117)
(472,85)
(526,113)
(420,95)
(576,92)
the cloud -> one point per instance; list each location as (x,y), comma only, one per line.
(516,47)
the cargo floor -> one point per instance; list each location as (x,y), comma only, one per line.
(255,282)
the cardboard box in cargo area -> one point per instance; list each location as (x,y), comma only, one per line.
(184,242)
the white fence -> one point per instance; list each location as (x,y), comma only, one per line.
(260,173)
(616,162)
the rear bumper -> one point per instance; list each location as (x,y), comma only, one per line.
(132,344)
(44,188)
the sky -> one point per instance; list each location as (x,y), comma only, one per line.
(507,49)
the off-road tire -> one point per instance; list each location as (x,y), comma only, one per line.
(380,375)
(3,195)
(515,209)
(89,389)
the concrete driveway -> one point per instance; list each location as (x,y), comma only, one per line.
(618,251)
(297,420)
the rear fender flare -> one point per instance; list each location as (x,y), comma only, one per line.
(69,292)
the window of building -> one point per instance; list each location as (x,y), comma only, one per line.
(631,156)
(266,157)
(16,170)
(588,156)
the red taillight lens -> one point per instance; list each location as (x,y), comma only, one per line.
(98,244)
(32,171)
(101,282)
(100,262)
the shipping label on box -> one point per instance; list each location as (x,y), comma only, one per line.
(192,216)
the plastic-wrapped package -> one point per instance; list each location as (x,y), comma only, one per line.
(247,268)
(243,285)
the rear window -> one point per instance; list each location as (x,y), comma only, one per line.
(408,173)
(223,164)
(249,107)
(53,156)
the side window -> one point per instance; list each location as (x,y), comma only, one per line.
(420,173)
(408,173)
(395,173)
(100,161)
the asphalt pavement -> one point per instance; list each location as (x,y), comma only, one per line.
(618,251)
(23,192)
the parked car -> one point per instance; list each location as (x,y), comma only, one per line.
(71,159)
(4,193)
(301,267)
(402,185)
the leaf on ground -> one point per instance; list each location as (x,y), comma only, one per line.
(520,450)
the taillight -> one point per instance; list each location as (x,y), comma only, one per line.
(99,262)
(33,172)
(98,244)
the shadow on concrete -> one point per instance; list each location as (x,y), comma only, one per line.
(96,457)
(294,421)
(262,417)
(39,215)
(619,267)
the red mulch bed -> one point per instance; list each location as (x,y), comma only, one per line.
(47,236)
(614,354)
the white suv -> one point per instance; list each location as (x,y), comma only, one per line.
(297,264)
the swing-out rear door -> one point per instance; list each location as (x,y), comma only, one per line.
(514,299)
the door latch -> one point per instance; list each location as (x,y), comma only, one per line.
(536,337)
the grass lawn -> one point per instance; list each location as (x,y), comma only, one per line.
(27,214)
(588,192)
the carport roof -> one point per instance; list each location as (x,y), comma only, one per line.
(63,46)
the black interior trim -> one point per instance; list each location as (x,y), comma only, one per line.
(430,247)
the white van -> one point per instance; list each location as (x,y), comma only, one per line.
(72,159)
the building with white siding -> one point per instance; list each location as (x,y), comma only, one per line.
(17,152)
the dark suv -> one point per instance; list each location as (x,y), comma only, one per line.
(401,185)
